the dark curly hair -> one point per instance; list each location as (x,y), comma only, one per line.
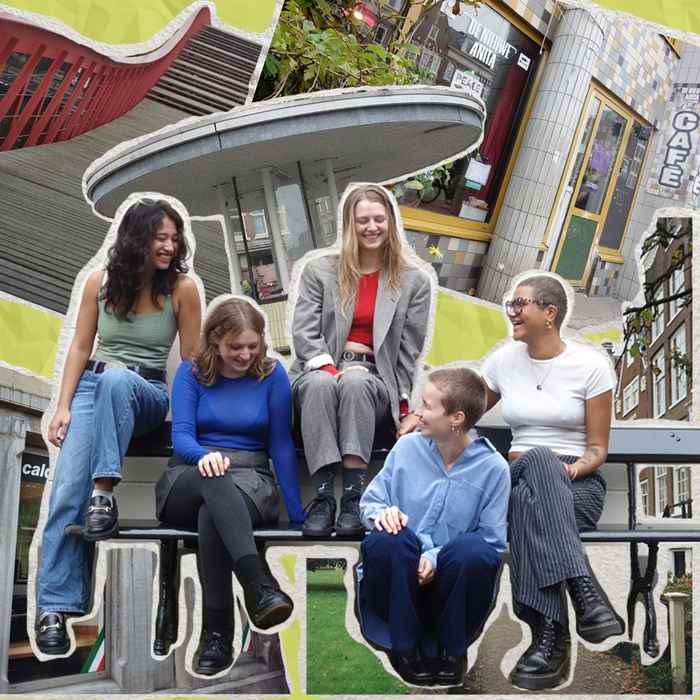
(128,257)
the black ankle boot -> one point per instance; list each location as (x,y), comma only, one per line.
(349,523)
(216,653)
(266,604)
(595,621)
(167,613)
(545,664)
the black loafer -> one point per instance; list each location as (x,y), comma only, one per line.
(411,667)
(102,519)
(216,654)
(51,637)
(450,670)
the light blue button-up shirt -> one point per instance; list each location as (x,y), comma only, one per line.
(440,504)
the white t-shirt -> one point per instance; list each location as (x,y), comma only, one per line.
(554,417)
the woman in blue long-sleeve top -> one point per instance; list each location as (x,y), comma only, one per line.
(231,410)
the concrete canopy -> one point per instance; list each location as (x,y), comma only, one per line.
(369,134)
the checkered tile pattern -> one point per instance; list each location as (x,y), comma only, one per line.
(604,281)
(637,65)
(537,13)
(459,267)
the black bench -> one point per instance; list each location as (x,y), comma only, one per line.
(629,445)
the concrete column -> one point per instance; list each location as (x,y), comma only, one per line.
(13,428)
(131,575)
(676,613)
(275,230)
(542,158)
(234,262)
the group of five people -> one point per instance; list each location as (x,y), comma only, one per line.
(439,511)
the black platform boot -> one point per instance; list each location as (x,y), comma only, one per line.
(545,664)
(595,621)
(167,612)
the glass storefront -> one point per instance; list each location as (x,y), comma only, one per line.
(481,52)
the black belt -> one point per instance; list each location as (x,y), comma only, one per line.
(97,366)
(350,356)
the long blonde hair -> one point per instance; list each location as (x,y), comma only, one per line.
(394,260)
(231,316)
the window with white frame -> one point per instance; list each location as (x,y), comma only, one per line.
(449,71)
(676,286)
(434,32)
(644,492)
(679,376)
(659,322)
(658,383)
(429,61)
(630,396)
(661,489)
(681,484)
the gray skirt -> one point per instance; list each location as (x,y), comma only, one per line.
(250,471)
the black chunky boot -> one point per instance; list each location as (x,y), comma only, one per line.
(216,653)
(595,621)
(545,664)
(266,604)
(167,612)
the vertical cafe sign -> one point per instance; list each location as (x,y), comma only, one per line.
(675,172)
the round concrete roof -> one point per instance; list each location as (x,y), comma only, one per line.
(370,134)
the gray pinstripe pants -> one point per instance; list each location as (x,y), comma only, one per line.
(338,416)
(546,512)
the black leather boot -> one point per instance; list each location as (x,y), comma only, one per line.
(320,517)
(349,523)
(266,604)
(102,519)
(216,653)
(167,612)
(545,664)
(595,621)
(51,637)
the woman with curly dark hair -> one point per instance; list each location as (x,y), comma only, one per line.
(219,479)
(135,308)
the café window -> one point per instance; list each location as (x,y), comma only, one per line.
(483,54)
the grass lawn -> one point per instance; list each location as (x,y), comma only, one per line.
(335,663)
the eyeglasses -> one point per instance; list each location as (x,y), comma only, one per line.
(515,306)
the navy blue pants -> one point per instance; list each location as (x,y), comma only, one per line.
(449,612)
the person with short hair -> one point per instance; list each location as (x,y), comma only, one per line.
(557,399)
(134,307)
(232,409)
(359,325)
(437,515)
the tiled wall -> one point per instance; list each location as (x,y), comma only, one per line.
(637,65)
(537,13)
(458,264)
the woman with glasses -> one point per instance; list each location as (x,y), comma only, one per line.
(557,399)
(358,326)
(134,307)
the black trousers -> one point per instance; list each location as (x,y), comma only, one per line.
(224,517)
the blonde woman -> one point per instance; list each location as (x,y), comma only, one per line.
(231,409)
(358,328)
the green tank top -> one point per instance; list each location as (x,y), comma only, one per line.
(143,339)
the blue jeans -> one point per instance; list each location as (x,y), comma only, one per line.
(106,411)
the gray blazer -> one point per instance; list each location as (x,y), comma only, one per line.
(401,319)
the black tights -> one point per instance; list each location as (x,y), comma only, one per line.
(224,517)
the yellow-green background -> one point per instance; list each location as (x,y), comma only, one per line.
(679,14)
(134,21)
